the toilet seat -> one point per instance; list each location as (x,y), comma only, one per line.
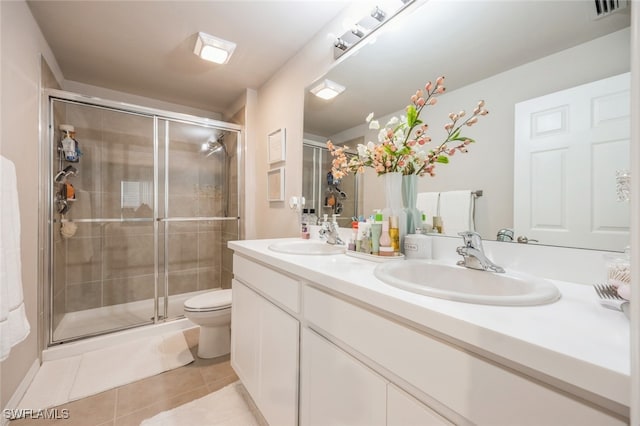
(209,302)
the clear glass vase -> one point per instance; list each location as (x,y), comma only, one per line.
(393,202)
(409,197)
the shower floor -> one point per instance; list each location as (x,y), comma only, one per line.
(99,320)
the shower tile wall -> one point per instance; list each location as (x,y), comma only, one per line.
(109,263)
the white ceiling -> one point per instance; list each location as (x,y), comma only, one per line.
(146,47)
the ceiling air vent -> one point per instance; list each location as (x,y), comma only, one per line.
(607,7)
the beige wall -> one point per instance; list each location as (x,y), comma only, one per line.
(281,105)
(22,44)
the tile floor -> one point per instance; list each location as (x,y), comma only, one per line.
(130,404)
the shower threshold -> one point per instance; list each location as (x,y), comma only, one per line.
(91,322)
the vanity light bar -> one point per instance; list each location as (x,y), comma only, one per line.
(367,25)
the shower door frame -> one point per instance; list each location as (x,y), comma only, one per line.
(47,198)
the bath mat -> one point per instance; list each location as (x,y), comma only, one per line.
(68,379)
(226,407)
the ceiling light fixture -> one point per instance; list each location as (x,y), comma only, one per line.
(368,24)
(327,89)
(213,49)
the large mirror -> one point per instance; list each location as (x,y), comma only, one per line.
(506,53)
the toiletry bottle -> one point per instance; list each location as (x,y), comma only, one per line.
(385,240)
(394,233)
(437,224)
(354,236)
(304,231)
(376,232)
(365,244)
(312,218)
(304,218)
(426,226)
(359,234)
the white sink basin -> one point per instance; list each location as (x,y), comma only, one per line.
(306,247)
(452,282)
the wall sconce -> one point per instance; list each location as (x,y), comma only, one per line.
(368,24)
(327,89)
(213,49)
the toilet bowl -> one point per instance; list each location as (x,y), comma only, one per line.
(212,312)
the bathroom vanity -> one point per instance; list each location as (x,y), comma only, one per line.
(319,340)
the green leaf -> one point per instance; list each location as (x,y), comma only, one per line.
(442,159)
(412,115)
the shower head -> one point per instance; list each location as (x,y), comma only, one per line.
(214,145)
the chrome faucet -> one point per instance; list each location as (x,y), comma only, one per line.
(473,253)
(330,231)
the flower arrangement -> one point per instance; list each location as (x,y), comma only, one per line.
(402,141)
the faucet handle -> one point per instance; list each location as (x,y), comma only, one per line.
(471,239)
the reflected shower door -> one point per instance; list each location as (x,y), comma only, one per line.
(102,227)
(197,208)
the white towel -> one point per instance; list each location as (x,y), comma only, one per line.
(427,203)
(14,326)
(456,210)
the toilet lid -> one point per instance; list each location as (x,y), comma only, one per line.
(212,300)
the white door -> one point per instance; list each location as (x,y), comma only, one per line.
(279,338)
(568,146)
(245,311)
(264,354)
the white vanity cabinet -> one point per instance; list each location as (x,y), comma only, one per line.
(404,410)
(467,387)
(265,339)
(336,389)
(313,348)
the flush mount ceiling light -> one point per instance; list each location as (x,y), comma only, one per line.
(377,16)
(213,49)
(327,89)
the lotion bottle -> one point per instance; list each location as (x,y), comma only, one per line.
(385,240)
(376,233)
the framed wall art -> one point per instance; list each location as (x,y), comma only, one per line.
(276,148)
(275,184)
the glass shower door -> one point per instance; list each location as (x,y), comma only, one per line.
(102,236)
(197,211)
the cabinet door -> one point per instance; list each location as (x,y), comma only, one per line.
(336,389)
(405,410)
(278,365)
(245,311)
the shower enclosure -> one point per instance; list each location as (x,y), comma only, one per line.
(140,211)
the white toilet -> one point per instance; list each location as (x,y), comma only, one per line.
(212,312)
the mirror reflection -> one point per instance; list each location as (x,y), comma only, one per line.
(509,54)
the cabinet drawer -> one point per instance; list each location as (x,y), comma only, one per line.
(281,288)
(475,388)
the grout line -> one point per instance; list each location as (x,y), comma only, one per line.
(115,405)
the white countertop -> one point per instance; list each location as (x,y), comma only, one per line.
(573,341)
